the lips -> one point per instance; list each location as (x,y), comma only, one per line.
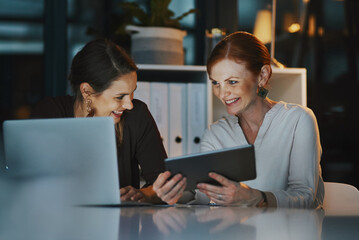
(117,114)
(231,101)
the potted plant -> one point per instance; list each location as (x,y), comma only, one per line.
(155,36)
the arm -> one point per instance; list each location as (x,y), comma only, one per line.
(304,178)
(150,152)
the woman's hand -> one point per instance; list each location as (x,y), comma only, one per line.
(230,192)
(130,193)
(171,190)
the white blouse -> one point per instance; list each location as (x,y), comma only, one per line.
(287,150)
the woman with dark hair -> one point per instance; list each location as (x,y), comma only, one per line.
(285,135)
(103,79)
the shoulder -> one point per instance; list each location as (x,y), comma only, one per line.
(291,113)
(139,108)
(54,107)
(221,127)
(293,110)
(223,124)
(138,114)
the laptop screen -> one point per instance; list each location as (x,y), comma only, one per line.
(78,154)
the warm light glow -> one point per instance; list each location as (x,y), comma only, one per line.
(295,27)
(311,25)
(263,26)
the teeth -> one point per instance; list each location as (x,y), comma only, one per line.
(231,101)
(116,112)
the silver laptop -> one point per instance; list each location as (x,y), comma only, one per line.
(75,155)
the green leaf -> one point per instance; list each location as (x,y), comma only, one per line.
(160,15)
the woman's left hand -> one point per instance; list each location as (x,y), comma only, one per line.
(130,193)
(230,192)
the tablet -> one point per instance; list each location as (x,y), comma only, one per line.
(236,164)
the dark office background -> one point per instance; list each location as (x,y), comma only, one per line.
(38,39)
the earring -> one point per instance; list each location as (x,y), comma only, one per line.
(88,105)
(262,92)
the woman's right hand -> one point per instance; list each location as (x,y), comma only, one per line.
(171,190)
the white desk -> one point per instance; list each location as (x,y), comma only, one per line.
(31,208)
(196,222)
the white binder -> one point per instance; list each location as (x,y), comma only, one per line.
(159,109)
(143,92)
(177,119)
(196,119)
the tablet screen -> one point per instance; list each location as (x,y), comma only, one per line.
(236,164)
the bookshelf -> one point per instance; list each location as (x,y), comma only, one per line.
(288,84)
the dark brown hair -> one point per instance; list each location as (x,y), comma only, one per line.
(241,46)
(99,63)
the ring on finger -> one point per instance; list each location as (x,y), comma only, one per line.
(219,196)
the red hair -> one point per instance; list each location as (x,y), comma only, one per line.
(243,47)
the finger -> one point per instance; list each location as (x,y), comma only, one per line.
(176,192)
(161,180)
(221,179)
(127,196)
(178,195)
(124,190)
(210,188)
(215,197)
(167,187)
(137,196)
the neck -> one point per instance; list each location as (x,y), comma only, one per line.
(253,116)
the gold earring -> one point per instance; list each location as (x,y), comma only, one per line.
(88,105)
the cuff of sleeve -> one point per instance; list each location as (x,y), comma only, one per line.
(271,200)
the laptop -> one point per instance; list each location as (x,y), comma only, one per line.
(75,154)
(237,164)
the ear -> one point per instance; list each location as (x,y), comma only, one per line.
(86,90)
(264,75)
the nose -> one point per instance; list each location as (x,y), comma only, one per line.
(127,103)
(223,92)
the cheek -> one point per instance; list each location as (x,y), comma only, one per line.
(215,91)
(248,89)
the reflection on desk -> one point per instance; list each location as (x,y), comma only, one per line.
(33,210)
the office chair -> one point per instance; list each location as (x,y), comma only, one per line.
(340,199)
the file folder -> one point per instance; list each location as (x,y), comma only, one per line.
(177,119)
(143,92)
(196,119)
(159,109)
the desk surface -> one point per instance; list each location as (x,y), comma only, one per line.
(181,222)
(34,209)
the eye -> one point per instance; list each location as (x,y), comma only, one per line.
(215,83)
(232,82)
(121,97)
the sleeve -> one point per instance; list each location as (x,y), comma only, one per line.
(207,143)
(305,186)
(150,152)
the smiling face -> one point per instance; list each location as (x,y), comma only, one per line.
(234,85)
(115,99)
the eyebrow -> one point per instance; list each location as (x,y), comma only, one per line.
(227,79)
(124,94)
